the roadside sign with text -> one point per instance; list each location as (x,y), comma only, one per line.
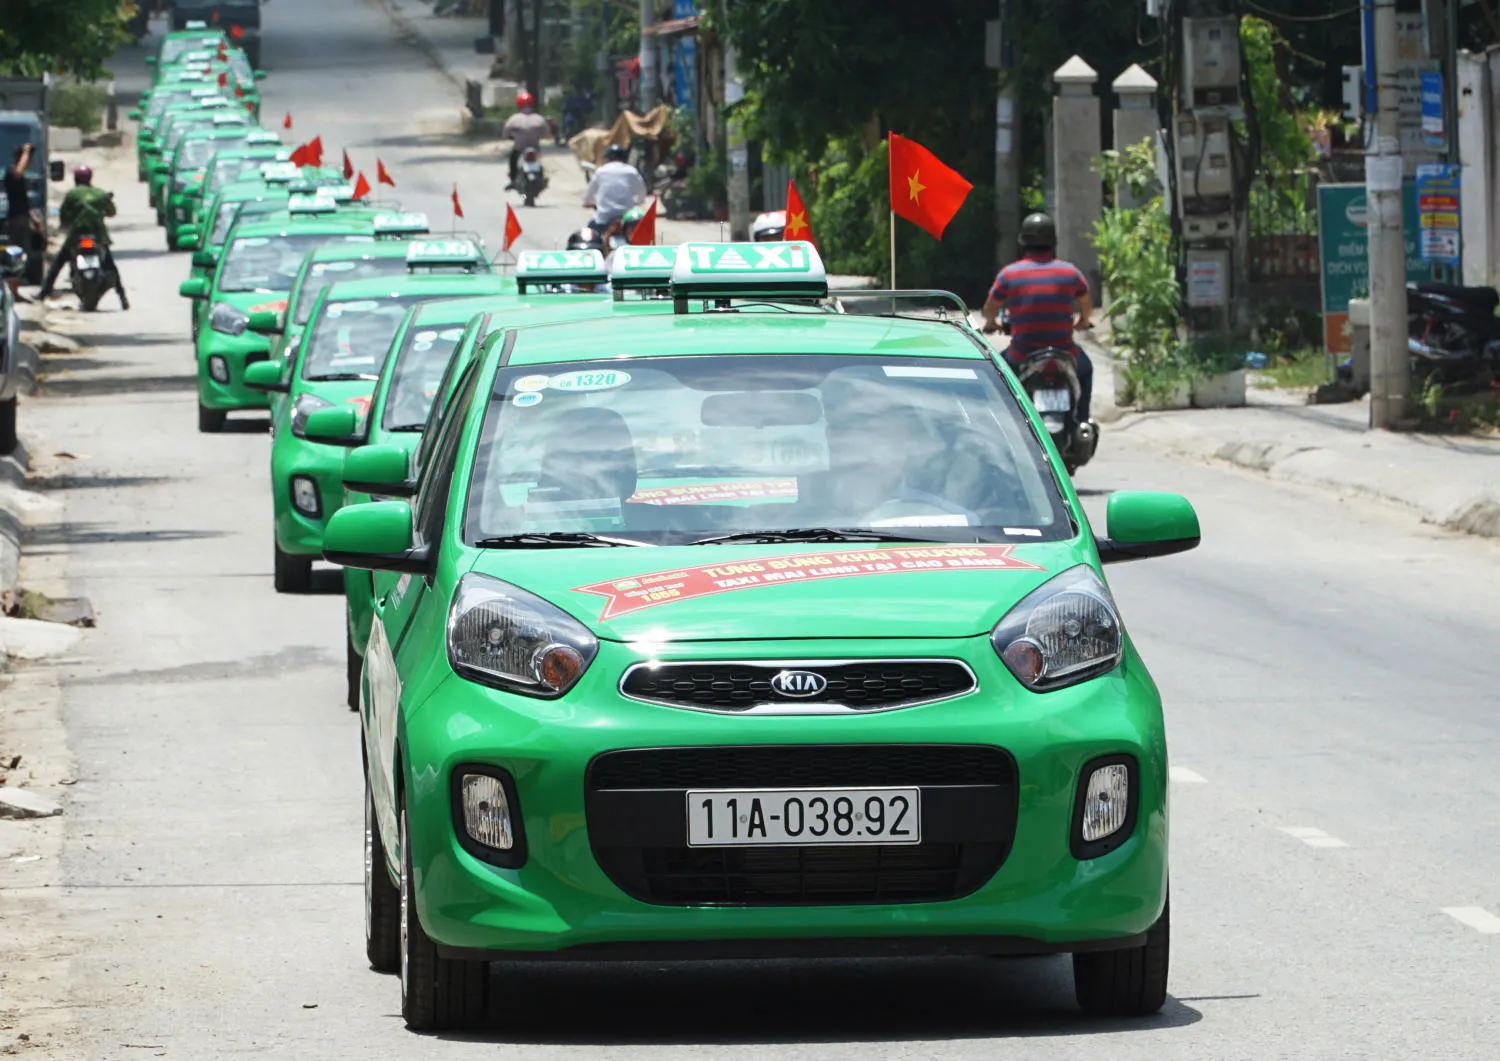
(1344,254)
(1438,195)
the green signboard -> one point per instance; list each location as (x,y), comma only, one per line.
(1344,254)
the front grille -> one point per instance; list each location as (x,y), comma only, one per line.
(852,685)
(637,824)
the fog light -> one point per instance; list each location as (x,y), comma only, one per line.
(486,811)
(1106,802)
(305,495)
(218,369)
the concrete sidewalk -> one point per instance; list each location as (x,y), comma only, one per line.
(446,40)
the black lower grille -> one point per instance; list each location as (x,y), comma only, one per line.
(257,355)
(858,685)
(636,807)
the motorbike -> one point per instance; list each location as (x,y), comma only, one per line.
(586,238)
(531,179)
(1051,382)
(90,275)
(1452,333)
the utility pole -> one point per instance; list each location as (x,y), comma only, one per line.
(738,183)
(649,87)
(998,56)
(1390,375)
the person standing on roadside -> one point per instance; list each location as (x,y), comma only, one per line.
(18,206)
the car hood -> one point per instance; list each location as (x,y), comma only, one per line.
(742,592)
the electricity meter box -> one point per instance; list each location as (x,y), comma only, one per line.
(1211,66)
(1205,167)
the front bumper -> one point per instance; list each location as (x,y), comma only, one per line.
(561,903)
(237,352)
(301,533)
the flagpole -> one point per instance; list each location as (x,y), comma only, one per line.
(893,250)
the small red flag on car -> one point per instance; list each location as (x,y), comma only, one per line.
(458,207)
(315,151)
(300,156)
(239,91)
(361,187)
(644,233)
(797,225)
(348,166)
(223,79)
(286,123)
(923,190)
(512,224)
(237,32)
(383,175)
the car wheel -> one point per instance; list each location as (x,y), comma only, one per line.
(437,993)
(1126,983)
(7,425)
(293,574)
(382,898)
(211,421)
(171,239)
(161,218)
(354,666)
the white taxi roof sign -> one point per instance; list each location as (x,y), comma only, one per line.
(279,172)
(789,269)
(229,119)
(262,136)
(399,224)
(443,252)
(203,93)
(560,267)
(633,268)
(311,204)
(195,23)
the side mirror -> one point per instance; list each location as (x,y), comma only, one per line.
(150,60)
(379,470)
(376,535)
(204,259)
(333,426)
(259,75)
(193,287)
(161,169)
(1141,524)
(265,322)
(266,376)
(12,260)
(55,169)
(187,238)
(134,115)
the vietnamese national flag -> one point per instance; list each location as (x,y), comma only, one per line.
(797,225)
(348,166)
(458,207)
(923,190)
(644,233)
(315,151)
(286,123)
(382,175)
(512,225)
(300,156)
(223,79)
(361,188)
(237,32)
(239,91)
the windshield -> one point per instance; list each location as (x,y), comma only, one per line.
(673,450)
(350,338)
(268,263)
(227,171)
(420,366)
(321,274)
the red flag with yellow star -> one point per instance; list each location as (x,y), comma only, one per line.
(797,225)
(923,190)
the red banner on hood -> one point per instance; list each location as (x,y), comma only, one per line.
(625,595)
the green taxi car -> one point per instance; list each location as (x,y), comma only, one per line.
(187,93)
(240,157)
(174,45)
(246,202)
(244,299)
(753,630)
(184,171)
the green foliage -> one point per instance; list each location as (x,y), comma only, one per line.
(60,36)
(77,105)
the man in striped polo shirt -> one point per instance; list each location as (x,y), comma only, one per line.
(1042,293)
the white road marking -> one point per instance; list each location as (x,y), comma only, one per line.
(1183,776)
(1476,917)
(1312,837)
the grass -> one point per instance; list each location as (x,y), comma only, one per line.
(1476,413)
(1304,368)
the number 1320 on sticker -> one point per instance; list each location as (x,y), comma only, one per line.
(785,817)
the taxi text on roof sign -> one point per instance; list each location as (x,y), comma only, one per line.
(391,224)
(634,267)
(559,267)
(725,270)
(262,136)
(439,251)
(311,204)
(280,172)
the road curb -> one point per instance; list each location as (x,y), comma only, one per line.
(13,468)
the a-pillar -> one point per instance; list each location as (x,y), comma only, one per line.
(1135,120)
(1075,146)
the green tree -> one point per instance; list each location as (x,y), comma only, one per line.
(60,36)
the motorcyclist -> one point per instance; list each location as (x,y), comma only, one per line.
(82,213)
(525,129)
(616,187)
(1042,292)
(769,226)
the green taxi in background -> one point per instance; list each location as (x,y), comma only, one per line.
(243,203)
(194,37)
(336,363)
(185,95)
(234,157)
(244,299)
(175,125)
(753,630)
(185,170)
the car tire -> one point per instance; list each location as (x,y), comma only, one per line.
(1126,983)
(437,993)
(161,219)
(382,897)
(354,668)
(211,421)
(293,574)
(171,239)
(7,426)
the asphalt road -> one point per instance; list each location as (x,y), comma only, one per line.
(1328,665)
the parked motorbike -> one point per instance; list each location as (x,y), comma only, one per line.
(1452,332)
(90,276)
(530,177)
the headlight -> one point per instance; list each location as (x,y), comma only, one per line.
(218,369)
(305,496)
(503,636)
(302,408)
(228,320)
(1061,633)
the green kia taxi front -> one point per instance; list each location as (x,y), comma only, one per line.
(752,630)
(244,299)
(336,363)
(241,154)
(184,177)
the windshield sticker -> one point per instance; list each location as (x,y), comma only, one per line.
(588,508)
(338,309)
(526,399)
(589,381)
(251,241)
(361,403)
(707,493)
(274,306)
(923,372)
(319,268)
(626,595)
(956,519)
(1022,532)
(531,383)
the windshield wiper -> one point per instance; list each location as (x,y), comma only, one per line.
(343,376)
(553,540)
(811,534)
(419,426)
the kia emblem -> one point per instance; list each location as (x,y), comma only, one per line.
(799,683)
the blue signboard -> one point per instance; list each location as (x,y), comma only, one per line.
(685,58)
(1433,133)
(1438,200)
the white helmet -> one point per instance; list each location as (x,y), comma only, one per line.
(769,226)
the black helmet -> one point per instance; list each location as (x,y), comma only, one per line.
(1038,231)
(616,153)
